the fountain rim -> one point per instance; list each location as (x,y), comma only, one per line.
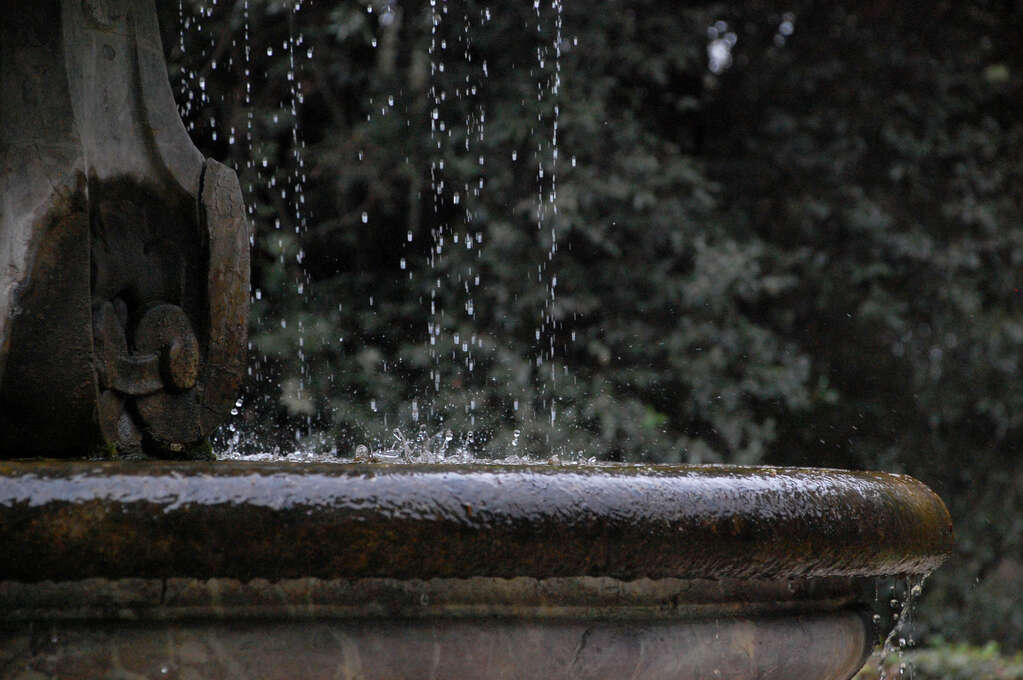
(68,521)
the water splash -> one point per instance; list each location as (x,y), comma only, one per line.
(443,446)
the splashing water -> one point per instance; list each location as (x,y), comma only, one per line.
(423,448)
(899,638)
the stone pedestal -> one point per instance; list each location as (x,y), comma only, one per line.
(124,254)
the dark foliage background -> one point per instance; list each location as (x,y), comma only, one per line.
(810,256)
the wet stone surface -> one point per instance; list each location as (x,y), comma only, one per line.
(228,570)
(66,521)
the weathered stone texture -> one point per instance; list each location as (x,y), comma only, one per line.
(817,647)
(106,215)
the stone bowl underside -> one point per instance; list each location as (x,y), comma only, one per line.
(470,571)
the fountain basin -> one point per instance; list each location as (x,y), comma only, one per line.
(402,571)
(116,228)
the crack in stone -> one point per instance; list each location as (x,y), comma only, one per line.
(582,645)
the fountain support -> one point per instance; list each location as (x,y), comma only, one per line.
(123,307)
(124,254)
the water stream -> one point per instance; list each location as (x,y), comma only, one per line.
(441,256)
(903,597)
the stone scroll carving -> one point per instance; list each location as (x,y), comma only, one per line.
(124,253)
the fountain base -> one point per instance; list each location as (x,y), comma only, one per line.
(190,570)
(441,628)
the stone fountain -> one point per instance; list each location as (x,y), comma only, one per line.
(123,306)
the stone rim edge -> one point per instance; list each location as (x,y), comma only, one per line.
(71,521)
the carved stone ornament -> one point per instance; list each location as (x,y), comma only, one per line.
(124,254)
